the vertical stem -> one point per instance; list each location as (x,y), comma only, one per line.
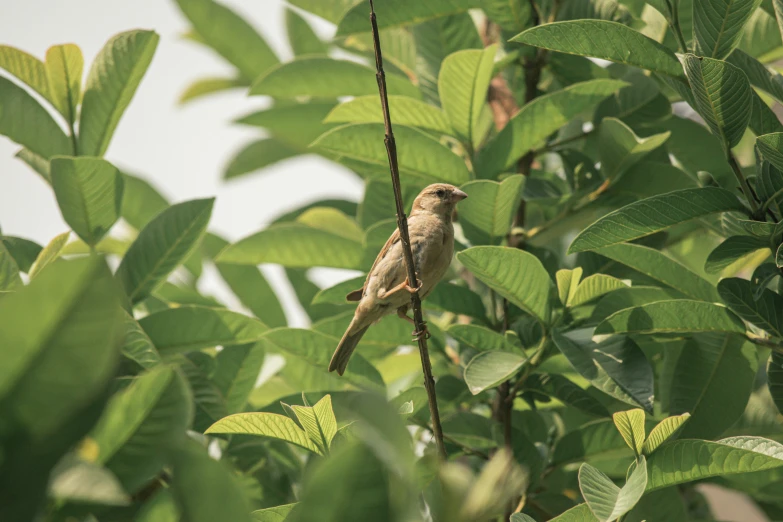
(743,184)
(402,225)
(675,25)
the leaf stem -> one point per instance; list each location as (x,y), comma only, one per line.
(743,182)
(674,23)
(402,225)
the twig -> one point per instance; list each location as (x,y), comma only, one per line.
(402,225)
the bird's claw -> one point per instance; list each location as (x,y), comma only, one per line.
(423,334)
(413,290)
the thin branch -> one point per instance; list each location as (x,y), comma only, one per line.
(743,183)
(402,225)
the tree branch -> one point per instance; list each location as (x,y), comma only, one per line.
(402,225)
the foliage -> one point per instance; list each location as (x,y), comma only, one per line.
(611,330)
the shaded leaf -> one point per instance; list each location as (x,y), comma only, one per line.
(488,369)
(297,125)
(206,86)
(566,392)
(764,311)
(486,216)
(731,250)
(301,36)
(771,148)
(258,155)
(718,25)
(621,149)
(775,379)
(607,501)
(678,316)
(9,271)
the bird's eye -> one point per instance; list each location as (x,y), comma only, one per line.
(441,193)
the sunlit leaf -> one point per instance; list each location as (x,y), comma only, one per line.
(486,216)
(402,12)
(663,431)
(264,425)
(403,111)
(677,316)
(630,424)
(64,67)
(49,254)
(731,250)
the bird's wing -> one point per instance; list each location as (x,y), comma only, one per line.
(356,295)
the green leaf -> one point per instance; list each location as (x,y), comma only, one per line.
(205,489)
(27,68)
(488,369)
(24,121)
(316,348)
(208,403)
(607,501)
(731,250)
(712,380)
(331,10)
(567,283)
(64,67)
(162,245)
(298,124)
(83,482)
(536,120)
(621,149)
(140,423)
(663,432)
(630,424)
(764,311)
(654,214)
(778,6)
(510,15)
(480,338)
(301,36)
(206,86)
(596,442)
(758,74)
(657,265)
(422,158)
(320,237)
(601,39)
(456,299)
(319,423)
(514,274)
(594,287)
(188,328)
(678,316)
(684,461)
(403,110)
(268,425)
(248,284)
(23,251)
(89,193)
(718,25)
(9,272)
(723,97)
(236,372)
(462,86)
(580,513)
(140,201)
(775,379)
(258,155)
(323,77)
(114,76)
(567,392)
(402,12)
(616,366)
(49,254)
(138,347)
(771,148)
(489,211)
(230,36)
(521,517)
(273,514)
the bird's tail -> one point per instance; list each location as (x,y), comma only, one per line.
(345,349)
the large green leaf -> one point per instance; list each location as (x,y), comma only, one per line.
(206,489)
(488,369)
(486,216)
(536,120)
(25,67)
(678,316)
(323,77)
(230,36)
(663,431)
(621,149)
(764,310)
(114,76)
(297,125)
(188,328)
(607,501)
(771,148)
(301,36)
(420,156)
(140,201)
(758,74)
(718,25)
(162,244)
(630,424)
(462,86)
(615,366)
(731,250)
(64,67)
(209,405)
(258,155)
(562,389)
(606,40)
(24,121)
(140,423)
(657,265)
(654,214)
(514,274)
(401,12)
(688,460)
(316,349)
(248,284)
(403,110)
(712,381)
(480,338)
(236,373)
(268,425)
(320,237)
(89,193)
(723,97)
(318,422)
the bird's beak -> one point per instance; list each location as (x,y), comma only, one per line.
(458,195)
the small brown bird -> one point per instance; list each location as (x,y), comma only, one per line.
(432,243)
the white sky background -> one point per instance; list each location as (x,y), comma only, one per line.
(181,150)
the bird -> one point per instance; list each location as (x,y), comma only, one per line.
(387,288)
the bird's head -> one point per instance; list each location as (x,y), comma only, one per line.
(440,199)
